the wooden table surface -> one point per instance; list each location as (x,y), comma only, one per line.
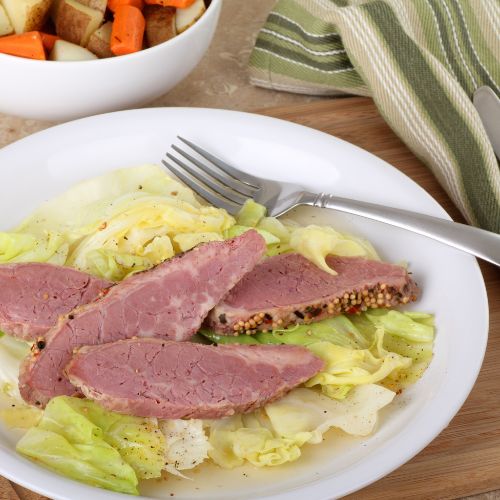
(465,459)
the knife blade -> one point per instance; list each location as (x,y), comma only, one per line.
(487,105)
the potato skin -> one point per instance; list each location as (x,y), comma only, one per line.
(99,5)
(75,22)
(38,15)
(160,24)
(99,42)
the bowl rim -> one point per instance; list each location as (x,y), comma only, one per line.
(175,40)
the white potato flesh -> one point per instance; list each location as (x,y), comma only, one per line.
(27,15)
(66,51)
(184,18)
(5,25)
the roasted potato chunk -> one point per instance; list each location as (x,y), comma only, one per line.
(160,24)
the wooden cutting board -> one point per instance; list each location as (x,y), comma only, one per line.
(465,459)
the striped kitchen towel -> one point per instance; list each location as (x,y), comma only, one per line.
(420,60)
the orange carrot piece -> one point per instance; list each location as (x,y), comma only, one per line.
(49,40)
(114,4)
(27,45)
(180,4)
(128,30)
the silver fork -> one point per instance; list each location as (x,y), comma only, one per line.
(227,187)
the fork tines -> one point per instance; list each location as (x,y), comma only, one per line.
(211,178)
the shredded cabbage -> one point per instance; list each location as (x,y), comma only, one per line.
(250,214)
(347,367)
(132,219)
(410,334)
(115,266)
(117,224)
(275,434)
(22,247)
(186,241)
(237,230)
(317,242)
(94,200)
(186,444)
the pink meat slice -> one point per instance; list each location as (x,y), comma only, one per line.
(34,295)
(288,289)
(155,378)
(169,301)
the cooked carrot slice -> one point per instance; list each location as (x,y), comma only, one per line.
(128,30)
(49,40)
(180,4)
(114,4)
(27,45)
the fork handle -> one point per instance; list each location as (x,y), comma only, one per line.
(478,242)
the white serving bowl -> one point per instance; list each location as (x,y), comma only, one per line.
(49,90)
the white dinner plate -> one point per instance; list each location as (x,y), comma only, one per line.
(43,165)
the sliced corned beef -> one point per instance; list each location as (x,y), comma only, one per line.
(34,295)
(169,301)
(289,289)
(155,378)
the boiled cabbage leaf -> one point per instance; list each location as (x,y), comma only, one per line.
(87,458)
(275,227)
(402,331)
(313,242)
(69,443)
(12,352)
(95,199)
(14,412)
(250,213)
(237,230)
(79,439)
(116,224)
(23,247)
(338,330)
(186,241)
(115,266)
(139,441)
(145,227)
(414,327)
(317,242)
(275,434)
(347,367)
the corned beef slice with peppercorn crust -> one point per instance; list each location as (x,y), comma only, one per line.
(288,289)
(169,301)
(34,295)
(156,378)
